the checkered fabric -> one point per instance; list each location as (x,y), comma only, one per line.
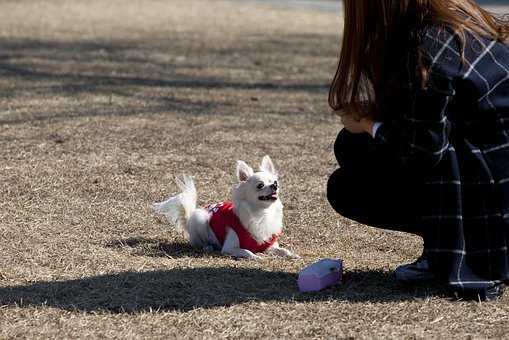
(455,133)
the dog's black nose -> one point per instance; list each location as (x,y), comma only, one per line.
(274,185)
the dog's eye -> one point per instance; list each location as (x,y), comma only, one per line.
(260,186)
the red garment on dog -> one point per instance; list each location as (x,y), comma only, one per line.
(223,217)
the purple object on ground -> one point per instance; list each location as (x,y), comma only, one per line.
(320,275)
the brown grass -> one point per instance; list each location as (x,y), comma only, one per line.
(103,102)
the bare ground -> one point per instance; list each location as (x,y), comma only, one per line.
(102,103)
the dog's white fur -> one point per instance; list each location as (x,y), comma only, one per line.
(262,218)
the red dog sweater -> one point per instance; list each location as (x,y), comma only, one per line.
(223,217)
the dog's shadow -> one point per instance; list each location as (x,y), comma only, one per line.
(184,289)
(143,246)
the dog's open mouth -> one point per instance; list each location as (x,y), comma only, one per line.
(271,197)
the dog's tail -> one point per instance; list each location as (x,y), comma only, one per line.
(178,209)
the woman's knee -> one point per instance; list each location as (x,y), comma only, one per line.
(353,196)
(335,192)
(351,149)
(342,144)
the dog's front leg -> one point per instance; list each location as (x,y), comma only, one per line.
(276,250)
(231,247)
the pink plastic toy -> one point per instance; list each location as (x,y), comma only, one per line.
(320,275)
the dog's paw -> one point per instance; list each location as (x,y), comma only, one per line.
(294,256)
(255,257)
(288,254)
(239,253)
(282,252)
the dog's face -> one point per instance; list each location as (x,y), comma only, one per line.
(260,189)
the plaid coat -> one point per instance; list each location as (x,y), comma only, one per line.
(455,135)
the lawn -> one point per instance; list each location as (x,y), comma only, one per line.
(102,103)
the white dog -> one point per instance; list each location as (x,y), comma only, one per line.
(250,224)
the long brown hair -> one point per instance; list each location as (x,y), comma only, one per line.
(370,24)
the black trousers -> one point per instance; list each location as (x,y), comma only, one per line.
(370,188)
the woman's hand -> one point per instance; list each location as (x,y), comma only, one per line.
(354,124)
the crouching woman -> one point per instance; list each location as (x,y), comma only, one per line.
(422,88)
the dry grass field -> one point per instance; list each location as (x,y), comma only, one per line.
(102,103)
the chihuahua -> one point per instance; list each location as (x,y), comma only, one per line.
(247,226)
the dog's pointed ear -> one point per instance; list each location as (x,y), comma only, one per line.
(244,171)
(268,166)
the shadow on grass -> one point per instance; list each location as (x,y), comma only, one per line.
(123,70)
(143,246)
(184,289)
